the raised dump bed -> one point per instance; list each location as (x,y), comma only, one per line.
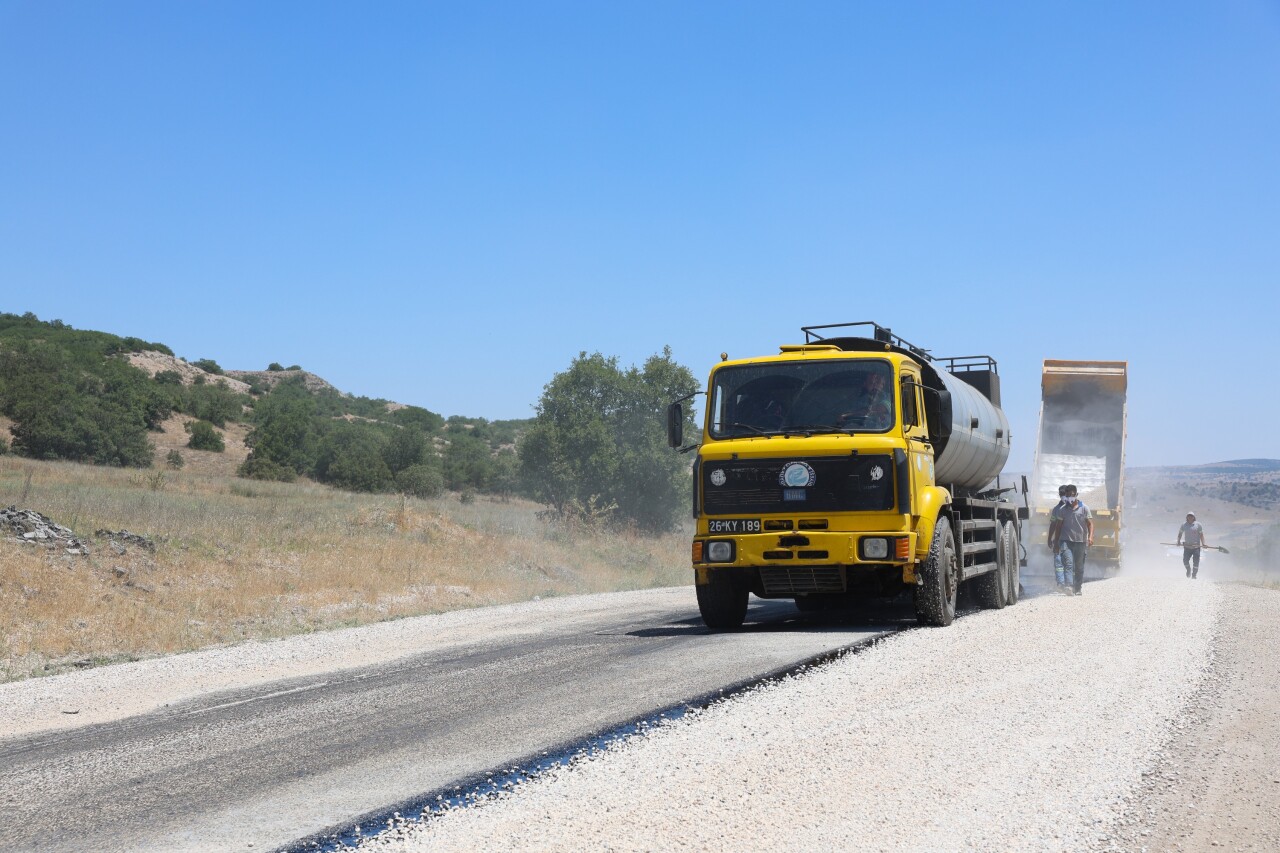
(1081,441)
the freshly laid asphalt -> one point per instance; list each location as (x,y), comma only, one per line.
(257,768)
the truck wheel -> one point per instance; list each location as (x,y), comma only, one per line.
(1009,550)
(722,602)
(940,578)
(992,589)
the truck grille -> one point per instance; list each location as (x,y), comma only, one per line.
(802,580)
(847,483)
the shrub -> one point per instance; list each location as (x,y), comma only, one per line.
(274,367)
(204,437)
(169,377)
(350,457)
(175,459)
(208,365)
(261,468)
(420,481)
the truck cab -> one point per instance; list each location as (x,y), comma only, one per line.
(816,479)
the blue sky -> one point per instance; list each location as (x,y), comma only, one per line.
(442,204)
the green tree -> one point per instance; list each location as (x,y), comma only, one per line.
(214,402)
(420,481)
(350,457)
(407,447)
(468,462)
(208,365)
(284,436)
(599,439)
(204,436)
(70,404)
(416,416)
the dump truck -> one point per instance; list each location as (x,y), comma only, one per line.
(1081,441)
(853,465)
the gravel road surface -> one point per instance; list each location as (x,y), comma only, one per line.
(1029,728)
(260,744)
(1216,784)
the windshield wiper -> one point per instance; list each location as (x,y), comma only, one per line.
(753,428)
(810,429)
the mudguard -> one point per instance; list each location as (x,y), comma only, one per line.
(930,502)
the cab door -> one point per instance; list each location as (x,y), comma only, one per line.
(916,431)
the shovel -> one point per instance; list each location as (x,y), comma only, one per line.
(1210,547)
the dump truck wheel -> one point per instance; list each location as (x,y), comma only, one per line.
(722,602)
(992,589)
(1009,549)
(940,578)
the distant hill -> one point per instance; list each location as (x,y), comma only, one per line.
(1243,467)
(95,397)
(1250,482)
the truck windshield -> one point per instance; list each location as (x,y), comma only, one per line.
(802,396)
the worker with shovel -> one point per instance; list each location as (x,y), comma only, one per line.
(1191,538)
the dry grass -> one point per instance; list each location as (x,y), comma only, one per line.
(238,559)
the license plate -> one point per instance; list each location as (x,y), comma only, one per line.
(733,525)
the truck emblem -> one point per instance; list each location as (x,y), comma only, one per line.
(797,475)
(877,472)
(718,477)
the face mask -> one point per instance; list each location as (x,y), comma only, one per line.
(1072,500)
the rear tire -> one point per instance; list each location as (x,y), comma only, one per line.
(992,589)
(722,602)
(939,579)
(1009,550)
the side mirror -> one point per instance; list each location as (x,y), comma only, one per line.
(675,425)
(938,409)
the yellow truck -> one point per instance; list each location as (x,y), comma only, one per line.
(852,465)
(1081,441)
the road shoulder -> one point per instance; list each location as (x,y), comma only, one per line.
(1217,783)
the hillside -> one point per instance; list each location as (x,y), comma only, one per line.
(87,396)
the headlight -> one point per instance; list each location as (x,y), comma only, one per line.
(720,552)
(875,548)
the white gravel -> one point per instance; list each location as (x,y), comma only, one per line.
(1022,729)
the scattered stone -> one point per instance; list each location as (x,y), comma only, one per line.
(30,527)
(117,537)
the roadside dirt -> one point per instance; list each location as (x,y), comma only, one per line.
(1217,783)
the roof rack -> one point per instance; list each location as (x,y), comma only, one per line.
(881,333)
(959,364)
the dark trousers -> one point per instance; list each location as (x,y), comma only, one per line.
(1191,559)
(1078,550)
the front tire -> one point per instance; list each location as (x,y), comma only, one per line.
(722,602)
(939,579)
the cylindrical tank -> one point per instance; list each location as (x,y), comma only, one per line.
(978,445)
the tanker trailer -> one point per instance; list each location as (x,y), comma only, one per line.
(1081,441)
(853,465)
